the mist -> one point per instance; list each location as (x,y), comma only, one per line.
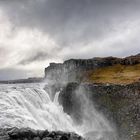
(94,124)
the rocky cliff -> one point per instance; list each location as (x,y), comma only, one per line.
(82,70)
(120,104)
(111,84)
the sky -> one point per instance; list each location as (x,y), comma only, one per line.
(34,33)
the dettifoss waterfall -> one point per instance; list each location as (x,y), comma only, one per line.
(29,105)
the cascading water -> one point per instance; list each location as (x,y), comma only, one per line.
(94,126)
(29,105)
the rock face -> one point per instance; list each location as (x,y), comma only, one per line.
(30,134)
(72,70)
(120,104)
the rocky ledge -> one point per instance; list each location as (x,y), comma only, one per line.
(30,134)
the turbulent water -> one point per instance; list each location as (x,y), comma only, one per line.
(29,105)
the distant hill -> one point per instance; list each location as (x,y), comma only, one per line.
(29,80)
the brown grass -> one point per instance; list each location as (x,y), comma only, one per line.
(117,74)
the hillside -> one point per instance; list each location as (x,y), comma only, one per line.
(116,74)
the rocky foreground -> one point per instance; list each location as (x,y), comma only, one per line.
(30,134)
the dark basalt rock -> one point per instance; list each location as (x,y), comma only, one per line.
(30,134)
(120,104)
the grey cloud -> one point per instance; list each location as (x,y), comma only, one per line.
(3,55)
(39,56)
(71,22)
(74,20)
(2,52)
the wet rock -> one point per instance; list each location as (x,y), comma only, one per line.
(120,104)
(42,133)
(64,137)
(6,137)
(37,138)
(30,134)
(47,138)
(27,132)
(14,133)
(52,135)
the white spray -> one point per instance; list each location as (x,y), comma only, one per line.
(29,105)
(95,126)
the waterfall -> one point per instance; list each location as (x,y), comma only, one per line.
(29,105)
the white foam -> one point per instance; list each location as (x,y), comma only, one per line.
(29,105)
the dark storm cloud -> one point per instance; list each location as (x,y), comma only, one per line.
(39,56)
(72,21)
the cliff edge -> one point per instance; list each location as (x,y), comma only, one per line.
(97,70)
(111,84)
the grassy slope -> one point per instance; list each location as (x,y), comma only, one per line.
(117,74)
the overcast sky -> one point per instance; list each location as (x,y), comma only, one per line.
(36,32)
